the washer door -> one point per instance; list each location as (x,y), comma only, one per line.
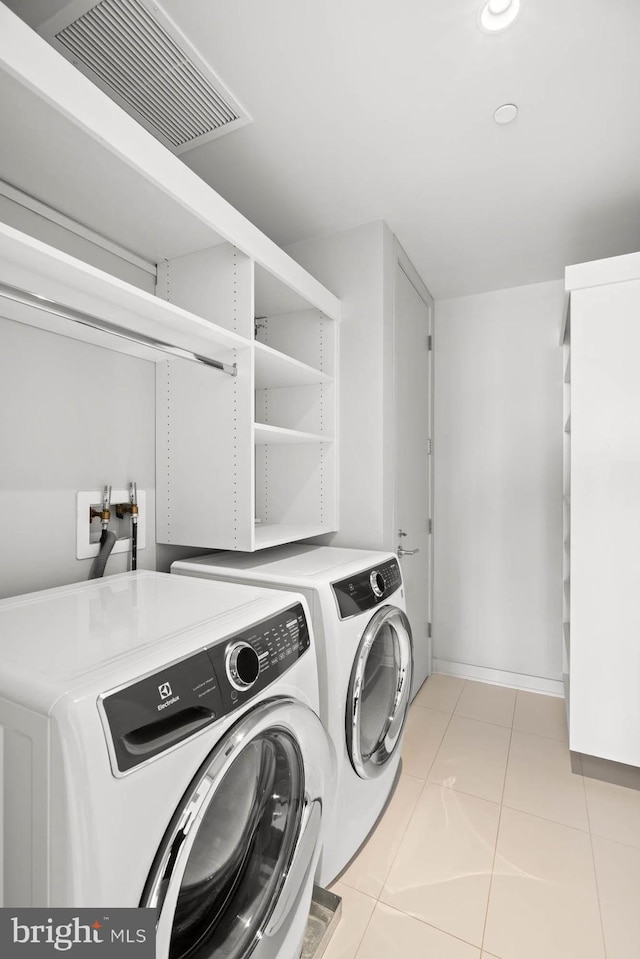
(379,690)
(240,847)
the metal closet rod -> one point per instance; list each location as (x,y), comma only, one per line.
(85,319)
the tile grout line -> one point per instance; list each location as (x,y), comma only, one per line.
(495,851)
(593,860)
(364,931)
(404,831)
(424,784)
(446,729)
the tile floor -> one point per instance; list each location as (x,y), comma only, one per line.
(491,847)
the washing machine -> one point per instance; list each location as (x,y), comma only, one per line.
(161,747)
(364,651)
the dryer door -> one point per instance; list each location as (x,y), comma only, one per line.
(242,844)
(379,690)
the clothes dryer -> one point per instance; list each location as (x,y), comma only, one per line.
(364,650)
(161,747)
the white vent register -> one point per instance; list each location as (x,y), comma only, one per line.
(134,52)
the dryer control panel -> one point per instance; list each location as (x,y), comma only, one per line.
(367,589)
(152,714)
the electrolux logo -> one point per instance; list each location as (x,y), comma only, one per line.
(39,932)
(165,691)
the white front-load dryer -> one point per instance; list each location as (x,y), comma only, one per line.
(161,747)
(365,659)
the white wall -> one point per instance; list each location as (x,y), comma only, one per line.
(351,264)
(498,485)
(72,416)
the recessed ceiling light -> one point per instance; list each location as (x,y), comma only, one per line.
(498,14)
(506,113)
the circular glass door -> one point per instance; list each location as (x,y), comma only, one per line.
(230,847)
(379,690)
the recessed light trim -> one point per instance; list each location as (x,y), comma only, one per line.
(497,15)
(506,113)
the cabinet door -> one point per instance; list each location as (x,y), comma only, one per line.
(605,522)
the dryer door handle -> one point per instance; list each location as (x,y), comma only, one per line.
(301,862)
(166,731)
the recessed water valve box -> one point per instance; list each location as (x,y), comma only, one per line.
(88,531)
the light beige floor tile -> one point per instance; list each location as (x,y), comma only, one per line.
(614,812)
(440,692)
(489,704)
(356,913)
(473,758)
(618,874)
(391,933)
(541,715)
(422,737)
(442,870)
(368,871)
(539,781)
(543,900)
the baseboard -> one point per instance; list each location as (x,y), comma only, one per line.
(499,677)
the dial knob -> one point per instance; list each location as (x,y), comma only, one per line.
(377,583)
(242,665)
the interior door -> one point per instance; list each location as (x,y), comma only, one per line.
(413,462)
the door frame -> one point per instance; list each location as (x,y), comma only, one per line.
(395,258)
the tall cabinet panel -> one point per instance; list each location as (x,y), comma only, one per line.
(602,483)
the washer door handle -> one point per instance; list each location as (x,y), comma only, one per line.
(301,862)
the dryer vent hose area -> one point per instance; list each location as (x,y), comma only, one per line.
(107,540)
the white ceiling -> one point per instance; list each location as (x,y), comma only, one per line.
(382,109)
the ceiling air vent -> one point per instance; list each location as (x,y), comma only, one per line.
(134,52)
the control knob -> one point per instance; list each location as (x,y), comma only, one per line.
(242,665)
(377,583)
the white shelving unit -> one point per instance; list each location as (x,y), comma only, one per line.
(266,446)
(244,461)
(601,652)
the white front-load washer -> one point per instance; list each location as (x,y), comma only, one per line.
(365,657)
(161,747)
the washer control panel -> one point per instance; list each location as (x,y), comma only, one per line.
(148,716)
(367,589)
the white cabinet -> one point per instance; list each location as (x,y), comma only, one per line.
(243,461)
(602,509)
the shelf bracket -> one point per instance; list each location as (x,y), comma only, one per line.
(17,295)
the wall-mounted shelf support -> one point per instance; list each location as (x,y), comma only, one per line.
(34,301)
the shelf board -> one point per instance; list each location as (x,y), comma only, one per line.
(49,273)
(274,534)
(274,369)
(263,434)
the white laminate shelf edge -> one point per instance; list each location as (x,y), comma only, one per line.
(274,369)
(266,534)
(265,434)
(39,269)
